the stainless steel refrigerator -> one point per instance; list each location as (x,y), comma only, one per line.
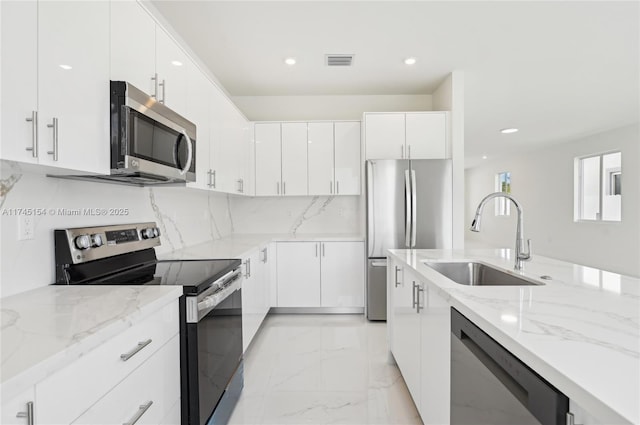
(409,206)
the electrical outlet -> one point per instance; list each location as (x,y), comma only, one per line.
(25,227)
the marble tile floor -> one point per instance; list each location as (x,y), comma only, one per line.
(322,369)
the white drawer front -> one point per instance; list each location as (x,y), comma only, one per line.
(10,408)
(156,381)
(65,395)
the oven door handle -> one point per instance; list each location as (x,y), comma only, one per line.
(209,303)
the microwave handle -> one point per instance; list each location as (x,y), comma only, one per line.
(189,153)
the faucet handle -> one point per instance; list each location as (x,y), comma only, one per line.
(526,256)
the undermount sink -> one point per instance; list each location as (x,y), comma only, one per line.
(477,274)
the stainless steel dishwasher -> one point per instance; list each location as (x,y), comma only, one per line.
(491,386)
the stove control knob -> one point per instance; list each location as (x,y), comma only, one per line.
(148,233)
(96,240)
(156,232)
(83,242)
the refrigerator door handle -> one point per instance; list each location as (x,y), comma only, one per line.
(414,208)
(407,210)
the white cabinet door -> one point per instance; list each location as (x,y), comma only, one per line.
(320,153)
(151,390)
(385,136)
(199,95)
(298,274)
(435,359)
(242,139)
(268,171)
(73,84)
(171,66)
(294,159)
(406,348)
(252,294)
(342,274)
(426,135)
(133,45)
(18,404)
(220,148)
(19,32)
(347,158)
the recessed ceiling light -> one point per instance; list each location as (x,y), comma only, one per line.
(484,156)
(66,67)
(290,61)
(176,63)
(508,130)
(410,61)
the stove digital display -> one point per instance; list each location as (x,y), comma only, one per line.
(121,236)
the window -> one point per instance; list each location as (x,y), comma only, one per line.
(598,187)
(503,184)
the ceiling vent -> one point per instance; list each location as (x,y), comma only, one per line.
(339,60)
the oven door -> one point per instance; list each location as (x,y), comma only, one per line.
(211,362)
(156,146)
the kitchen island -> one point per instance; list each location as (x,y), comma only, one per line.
(579,329)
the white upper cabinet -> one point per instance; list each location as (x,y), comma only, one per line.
(385,138)
(133,45)
(19,32)
(347,158)
(414,135)
(171,67)
(320,153)
(268,166)
(426,135)
(294,159)
(199,91)
(73,85)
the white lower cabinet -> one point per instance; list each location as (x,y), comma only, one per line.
(320,274)
(419,326)
(256,292)
(16,410)
(142,362)
(148,393)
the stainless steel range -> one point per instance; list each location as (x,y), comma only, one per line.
(210,310)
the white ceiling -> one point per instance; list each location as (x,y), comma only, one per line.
(555,70)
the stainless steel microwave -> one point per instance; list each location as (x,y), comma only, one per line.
(150,143)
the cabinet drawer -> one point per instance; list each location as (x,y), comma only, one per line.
(10,408)
(63,396)
(150,392)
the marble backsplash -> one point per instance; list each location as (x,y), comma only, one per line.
(185,216)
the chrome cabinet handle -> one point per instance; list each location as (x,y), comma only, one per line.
(34,133)
(402,151)
(323,249)
(136,350)
(213,174)
(284,188)
(331,187)
(248,267)
(278,188)
(141,411)
(242,185)
(413,295)
(54,126)
(418,291)
(28,414)
(337,187)
(155,85)
(409,151)
(163,84)
(397,281)
(209,178)
(264,255)
(316,250)
(239,181)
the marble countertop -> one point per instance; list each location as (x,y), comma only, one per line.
(580,330)
(238,245)
(47,328)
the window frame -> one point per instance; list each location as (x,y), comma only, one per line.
(578,188)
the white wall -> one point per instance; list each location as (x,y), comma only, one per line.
(339,107)
(543,181)
(186,217)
